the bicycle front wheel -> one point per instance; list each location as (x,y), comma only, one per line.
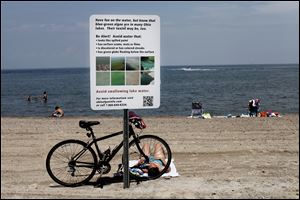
(70,163)
(152,142)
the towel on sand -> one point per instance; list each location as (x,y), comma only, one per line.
(172,173)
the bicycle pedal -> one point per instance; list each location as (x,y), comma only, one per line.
(120,168)
(118,174)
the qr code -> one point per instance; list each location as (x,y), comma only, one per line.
(147,101)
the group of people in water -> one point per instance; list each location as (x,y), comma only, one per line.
(44,97)
(58,111)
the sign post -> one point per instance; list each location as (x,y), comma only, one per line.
(124,66)
(125,151)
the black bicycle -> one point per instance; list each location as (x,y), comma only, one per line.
(74,162)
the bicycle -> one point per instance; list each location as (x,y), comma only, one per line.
(73,163)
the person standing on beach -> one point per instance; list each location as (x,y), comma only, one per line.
(257,107)
(253,107)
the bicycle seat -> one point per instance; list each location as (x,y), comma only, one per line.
(86,124)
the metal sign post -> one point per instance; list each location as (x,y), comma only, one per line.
(125,151)
(124,67)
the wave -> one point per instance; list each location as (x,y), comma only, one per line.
(192,69)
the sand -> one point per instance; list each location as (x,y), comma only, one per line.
(215,158)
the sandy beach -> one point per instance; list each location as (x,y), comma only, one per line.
(215,158)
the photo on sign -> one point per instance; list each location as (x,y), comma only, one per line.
(133,78)
(147,63)
(117,63)
(147,77)
(132,63)
(102,78)
(117,78)
(103,63)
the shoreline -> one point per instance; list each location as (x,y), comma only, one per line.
(215,158)
(143,116)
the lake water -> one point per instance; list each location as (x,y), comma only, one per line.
(222,89)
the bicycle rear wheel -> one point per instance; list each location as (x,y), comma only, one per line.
(135,155)
(70,163)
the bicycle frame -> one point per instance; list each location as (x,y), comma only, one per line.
(115,150)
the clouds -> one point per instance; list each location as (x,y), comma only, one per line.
(247,7)
(50,27)
(277,7)
(51,34)
(242,13)
(235,33)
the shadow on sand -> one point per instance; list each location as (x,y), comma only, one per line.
(107,180)
(103,181)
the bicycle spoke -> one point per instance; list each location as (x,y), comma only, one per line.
(148,144)
(64,169)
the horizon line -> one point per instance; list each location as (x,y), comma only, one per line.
(186,65)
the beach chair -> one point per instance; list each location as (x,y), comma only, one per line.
(197,110)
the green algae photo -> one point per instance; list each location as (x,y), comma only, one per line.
(117,63)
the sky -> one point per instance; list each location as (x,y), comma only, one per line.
(45,34)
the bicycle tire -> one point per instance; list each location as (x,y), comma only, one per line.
(71,175)
(134,154)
